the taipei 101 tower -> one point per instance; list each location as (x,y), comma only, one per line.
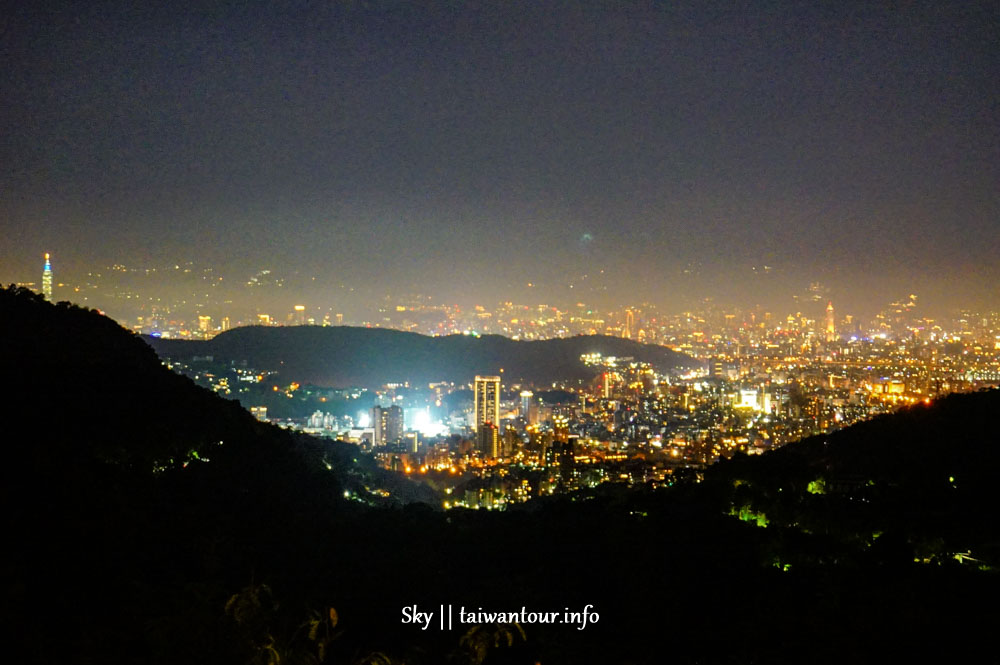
(47,279)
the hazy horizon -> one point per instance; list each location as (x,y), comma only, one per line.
(466,151)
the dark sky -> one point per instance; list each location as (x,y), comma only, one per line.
(467,149)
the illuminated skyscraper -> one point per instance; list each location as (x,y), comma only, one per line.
(560,428)
(509,442)
(529,411)
(489,440)
(387,423)
(47,279)
(526,396)
(487,401)
(629,324)
(831,329)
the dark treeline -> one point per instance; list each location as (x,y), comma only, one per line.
(135,536)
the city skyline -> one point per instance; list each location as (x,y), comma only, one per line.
(733,152)
(205,299)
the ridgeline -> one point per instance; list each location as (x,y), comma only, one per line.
(343,356)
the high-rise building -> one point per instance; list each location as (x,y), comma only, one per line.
(387,423)
(412,441)
(47,279)
(560,427)
(527,405)
(487,401)
(510,442)
(831,328)
(488,436)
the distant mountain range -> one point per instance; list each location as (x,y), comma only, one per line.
(369,357)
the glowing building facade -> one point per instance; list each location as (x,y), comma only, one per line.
(831,328)
(487,401)
(47,279)
(387,423)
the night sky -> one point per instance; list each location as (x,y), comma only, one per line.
(467,149)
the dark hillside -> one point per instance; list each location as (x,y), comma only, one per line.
(370,357)
(134,536)
(122,477)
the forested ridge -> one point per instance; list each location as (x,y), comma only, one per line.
(371,357)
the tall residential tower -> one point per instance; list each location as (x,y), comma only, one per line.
(487,401)
(388,424)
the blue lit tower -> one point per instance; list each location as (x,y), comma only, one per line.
(47,279)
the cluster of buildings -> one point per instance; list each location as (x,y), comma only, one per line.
(204,303)
(635,425)
(764,381)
